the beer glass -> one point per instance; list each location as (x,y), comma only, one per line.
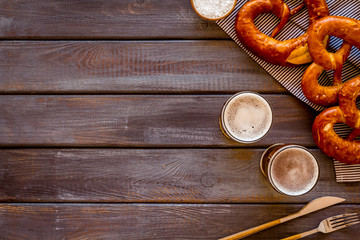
(290,169)
(246,117)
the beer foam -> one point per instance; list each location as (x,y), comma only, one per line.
(294,171)
(248,117)
(213,8)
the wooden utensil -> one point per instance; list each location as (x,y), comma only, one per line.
(314,205)
(330,224)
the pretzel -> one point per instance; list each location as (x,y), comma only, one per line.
(290,52)
(347,102)
(324,95)
(345,28)
(343,150)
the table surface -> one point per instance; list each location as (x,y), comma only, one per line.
(109,127)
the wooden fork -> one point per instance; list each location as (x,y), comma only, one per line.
(330,224)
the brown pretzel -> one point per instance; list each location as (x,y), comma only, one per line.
(348,29)
(347,102)
(343,150)
(290,52)
(345,28)
(324,95)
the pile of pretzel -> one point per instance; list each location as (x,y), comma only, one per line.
(311,47)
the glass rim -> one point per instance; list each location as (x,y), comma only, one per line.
(263,155)
(277,152)
(222,117)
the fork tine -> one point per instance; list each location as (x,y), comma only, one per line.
(334,218)
(344,222)
(341,220)
(349,218)
(346,225)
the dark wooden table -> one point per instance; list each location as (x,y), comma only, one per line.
(109,127)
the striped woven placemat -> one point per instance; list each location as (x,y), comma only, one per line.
(290,78)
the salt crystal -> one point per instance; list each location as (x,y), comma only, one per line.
(213,9)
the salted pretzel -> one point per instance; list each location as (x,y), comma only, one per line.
(343,150)
(324,95)
(345,28)
(290,52)
(347,102)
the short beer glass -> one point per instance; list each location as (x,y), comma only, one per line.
(290,169)
(246,117)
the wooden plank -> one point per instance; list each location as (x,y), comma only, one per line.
(130,67)
(138,121)
(148,221)
(111,19)
(151,175)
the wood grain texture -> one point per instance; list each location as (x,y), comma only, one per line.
(171,151)
(148,221)
(138,121)
(152,175)
(111,19)
(130,67)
